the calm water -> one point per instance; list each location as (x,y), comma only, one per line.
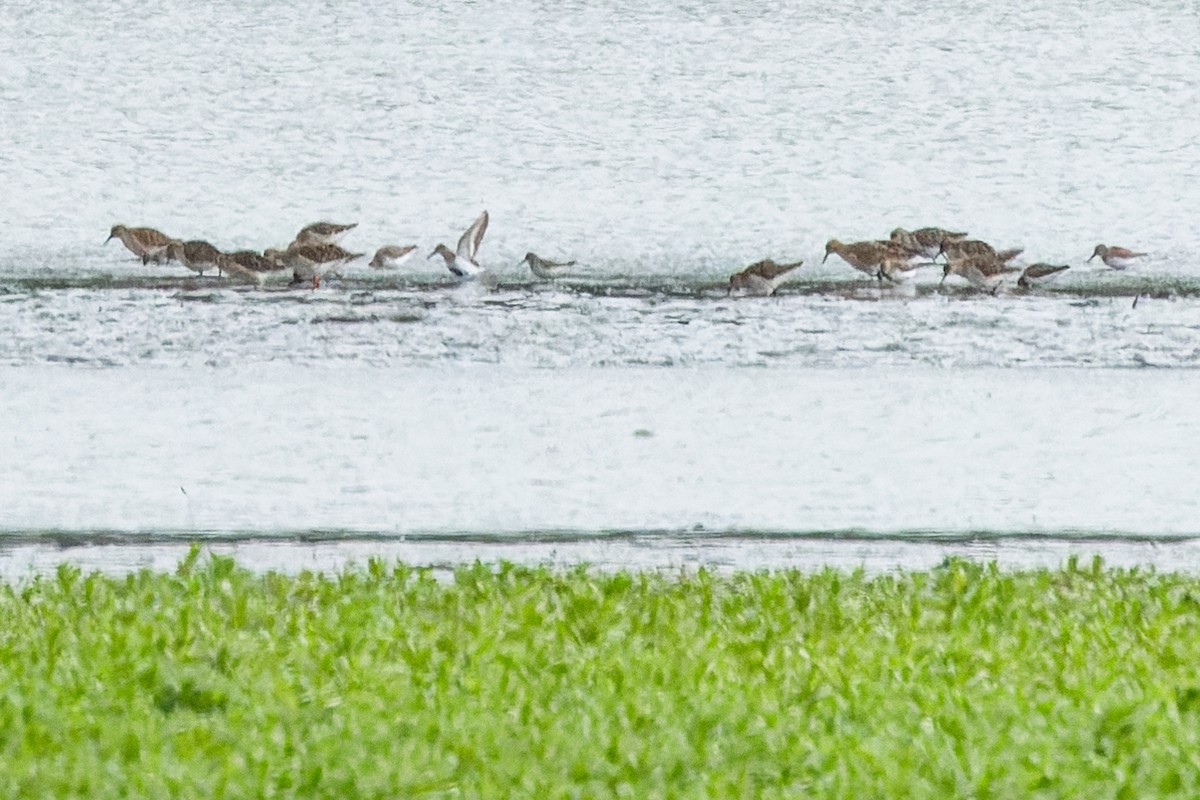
(663,149)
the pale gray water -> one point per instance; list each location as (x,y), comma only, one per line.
(662,148)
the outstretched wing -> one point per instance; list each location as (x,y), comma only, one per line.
(468,244)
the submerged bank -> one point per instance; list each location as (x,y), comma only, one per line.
(964,680)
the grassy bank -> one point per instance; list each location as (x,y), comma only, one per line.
(503,682)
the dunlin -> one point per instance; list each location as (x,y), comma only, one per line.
(196,255)
(1116,257)
(392,255)
(925,241)
(1039,273)
(761,278)
(249,266)
(867,257)
(964,248)
(147,244)
(893,267)
(322,233)
(983,271)
(311,261)
(545,268)
(464,262)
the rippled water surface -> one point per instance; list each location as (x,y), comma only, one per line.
(662,148)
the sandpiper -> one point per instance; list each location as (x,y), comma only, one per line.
(761,278)
(964,248)
(147,244)
(1039,273)
(984,271)
(545,268)
(1116,257)
(893,267)
(392,255)
(196,255)
(249,266)
(866,257)
(323,233)
(926,241)
(311,261)
(463,262)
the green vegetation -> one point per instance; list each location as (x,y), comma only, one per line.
(386,682)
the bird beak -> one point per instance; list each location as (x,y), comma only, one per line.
(109,239)
(431,255)
(826,257)
(1093,256)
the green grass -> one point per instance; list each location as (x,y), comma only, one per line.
(965,681)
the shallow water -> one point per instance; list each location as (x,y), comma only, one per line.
(502,449)
(661,148)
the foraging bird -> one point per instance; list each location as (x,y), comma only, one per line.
(1039,273)
(249,266)
(983,271)
(464,261)
(1116,257)
(892,267)
(311,261)
(147,244)
(761,278)
(392,255)
(867,257)
(196,255)
(546,269)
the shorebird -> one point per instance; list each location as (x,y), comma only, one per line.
(975,248)
(463,261)
(546,269)
(983,271)
(1115,257)
(249,266)
(867,257)
(392,255)
(147,244)
(311,261)
(892,267)
(926,241)
(196,255)
(1039,273)
(323,233)
(761,278)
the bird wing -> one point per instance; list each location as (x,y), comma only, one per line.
(468,244)
(770,270)
(1121,252)
(152,237)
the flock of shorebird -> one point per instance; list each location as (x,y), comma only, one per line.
(315,252)
(978,262)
